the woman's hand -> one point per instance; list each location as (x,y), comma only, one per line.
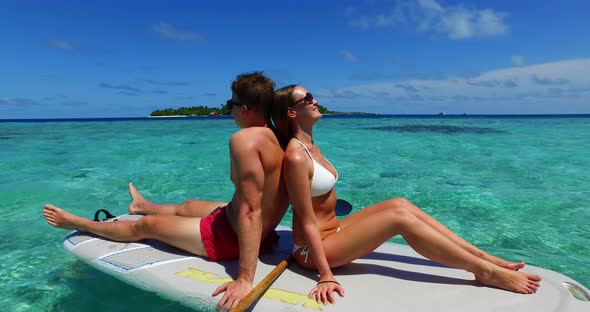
(324,291)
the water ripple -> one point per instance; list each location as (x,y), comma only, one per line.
(438,129)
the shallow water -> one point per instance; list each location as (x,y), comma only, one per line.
(516,187)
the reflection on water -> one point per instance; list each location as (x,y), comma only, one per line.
(437,129)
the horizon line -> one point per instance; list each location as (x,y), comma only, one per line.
(360,114)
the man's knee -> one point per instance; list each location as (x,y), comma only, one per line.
(145,227)
(184,206)
(188,203)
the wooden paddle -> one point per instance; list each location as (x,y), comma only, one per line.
(342,208)
(262,286)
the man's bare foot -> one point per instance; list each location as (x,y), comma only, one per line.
(60,218)
(507,279)
(137,201)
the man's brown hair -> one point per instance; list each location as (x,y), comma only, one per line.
(254,90)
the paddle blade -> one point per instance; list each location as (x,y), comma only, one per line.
(343,207)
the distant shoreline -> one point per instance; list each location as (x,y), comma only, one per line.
(218,115)
(169,116)
(336,116)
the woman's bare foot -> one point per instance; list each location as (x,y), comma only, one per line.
(62,219)
(137,201)
(511,280)
(514,266)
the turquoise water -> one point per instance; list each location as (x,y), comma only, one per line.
(516,187)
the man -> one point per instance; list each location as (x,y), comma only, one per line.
(216,230)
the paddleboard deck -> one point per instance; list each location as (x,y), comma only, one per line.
(393,277)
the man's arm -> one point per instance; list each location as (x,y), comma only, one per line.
(248,175)
(249,187)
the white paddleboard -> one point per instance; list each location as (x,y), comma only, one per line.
(393,277)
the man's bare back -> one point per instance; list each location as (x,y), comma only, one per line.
(262,142)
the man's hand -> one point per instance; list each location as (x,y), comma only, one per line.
(234,292)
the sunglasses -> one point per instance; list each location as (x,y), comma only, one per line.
(308,98)
(231,103)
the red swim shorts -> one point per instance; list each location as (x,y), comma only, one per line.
(220,240)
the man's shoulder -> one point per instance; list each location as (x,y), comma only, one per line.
(251,134)
(254,131)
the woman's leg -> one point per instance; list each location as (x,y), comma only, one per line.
(190,208)
(180,232)
(403,203)
(364,231)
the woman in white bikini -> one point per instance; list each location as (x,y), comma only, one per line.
(322,242)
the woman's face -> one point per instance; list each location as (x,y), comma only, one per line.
(305,105)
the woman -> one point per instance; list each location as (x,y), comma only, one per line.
(322,242)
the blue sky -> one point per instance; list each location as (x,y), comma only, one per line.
(128,58)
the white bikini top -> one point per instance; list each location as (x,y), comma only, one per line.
(323,181)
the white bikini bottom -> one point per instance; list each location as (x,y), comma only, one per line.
(304,249)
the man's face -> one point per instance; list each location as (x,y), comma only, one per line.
(236,110)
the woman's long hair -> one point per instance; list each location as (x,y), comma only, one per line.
(281,102)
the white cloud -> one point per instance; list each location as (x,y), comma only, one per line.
(458,24)
(7,101)
(122,88)
(170,32)
(348,56)
(17,101)
(549,81)
(60,44)
(361,22)
(490,23)
(517,60)
(430,5)
(527,89)
(455,22)
(166,83)
(74,103)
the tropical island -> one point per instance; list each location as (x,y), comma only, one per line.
(191,111)
(208,111)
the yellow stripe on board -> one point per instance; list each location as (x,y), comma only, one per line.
(272,293)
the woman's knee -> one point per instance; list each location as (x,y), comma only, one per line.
(399,212)
(398,205)
(400,202)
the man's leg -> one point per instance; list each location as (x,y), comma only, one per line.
(180,232)
(190,208)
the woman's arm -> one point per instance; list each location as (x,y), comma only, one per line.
(297,172)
